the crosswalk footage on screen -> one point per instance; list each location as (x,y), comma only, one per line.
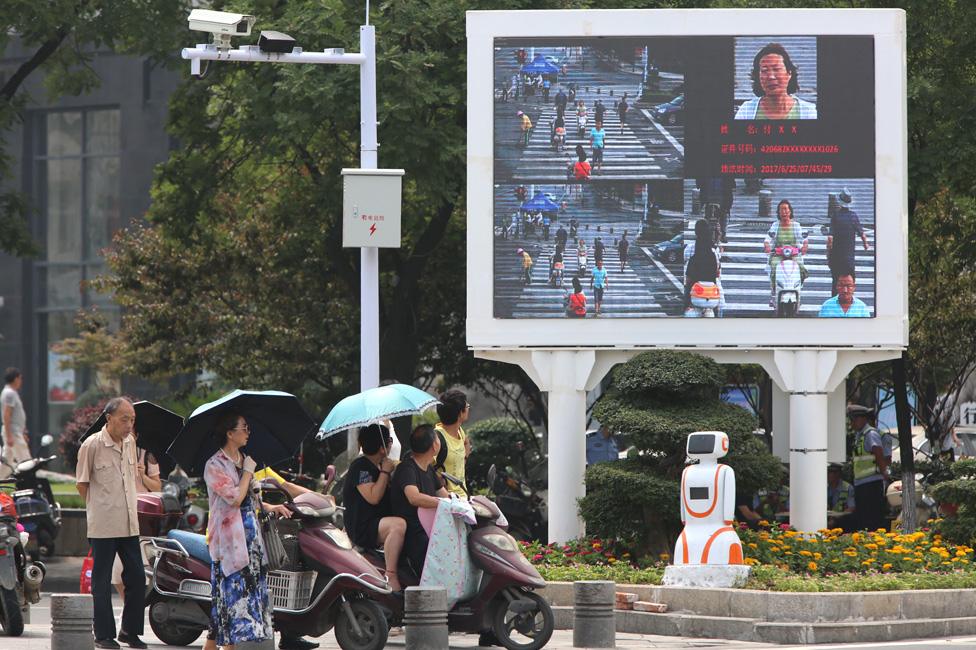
(695,177)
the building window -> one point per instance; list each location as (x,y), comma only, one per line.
(76,159)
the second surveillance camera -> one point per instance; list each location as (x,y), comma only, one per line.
(222,24)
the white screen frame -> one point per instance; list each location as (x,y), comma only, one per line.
(888,329)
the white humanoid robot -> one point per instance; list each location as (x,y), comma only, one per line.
(708,505)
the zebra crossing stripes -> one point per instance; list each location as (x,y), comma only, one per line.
(745,276)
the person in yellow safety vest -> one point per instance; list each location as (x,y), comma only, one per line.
(772,502)
(870,468)
(840,498)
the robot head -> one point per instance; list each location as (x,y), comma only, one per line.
(707,445)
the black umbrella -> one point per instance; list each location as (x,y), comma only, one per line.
(277,421)
(157,429)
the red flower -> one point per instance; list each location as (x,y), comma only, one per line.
(570,554)
(536,557)
(784,526)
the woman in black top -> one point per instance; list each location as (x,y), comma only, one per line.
(368,518)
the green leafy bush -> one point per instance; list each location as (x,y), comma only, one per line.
(960,526)
(494,441)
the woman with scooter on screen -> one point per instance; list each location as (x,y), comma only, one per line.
(786,244)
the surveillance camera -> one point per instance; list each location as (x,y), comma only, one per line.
(223,25)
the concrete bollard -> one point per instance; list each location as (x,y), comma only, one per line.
(425,618)
(765,203)
(71,622)
(594,623)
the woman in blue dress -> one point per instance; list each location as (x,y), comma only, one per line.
(241,610)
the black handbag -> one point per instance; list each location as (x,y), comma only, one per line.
(273,546)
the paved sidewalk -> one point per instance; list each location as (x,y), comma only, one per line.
(37,636)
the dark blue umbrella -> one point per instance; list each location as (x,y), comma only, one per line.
(540,202)
(277,421)
(539,65)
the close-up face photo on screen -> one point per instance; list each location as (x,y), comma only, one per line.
(683,177)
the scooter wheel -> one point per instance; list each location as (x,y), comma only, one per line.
(787,310)
(13,619)
(524,630)
(372,624)
(172,634)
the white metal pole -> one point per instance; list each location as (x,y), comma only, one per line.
(369,280)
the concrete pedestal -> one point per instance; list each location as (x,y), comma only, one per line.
(706,575)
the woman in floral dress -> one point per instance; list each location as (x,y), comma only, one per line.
(241,608)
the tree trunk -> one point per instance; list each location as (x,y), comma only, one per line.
(905,448)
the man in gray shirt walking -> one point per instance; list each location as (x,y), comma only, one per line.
(14,429)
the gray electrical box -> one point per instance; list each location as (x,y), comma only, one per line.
(371,208)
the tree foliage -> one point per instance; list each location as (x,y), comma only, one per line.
(638,499)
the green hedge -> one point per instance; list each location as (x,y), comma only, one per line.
(626,500)
(960,490)
(656,425)
(669,372)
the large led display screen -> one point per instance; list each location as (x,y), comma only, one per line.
(684,177)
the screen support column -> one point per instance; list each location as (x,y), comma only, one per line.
(566,376)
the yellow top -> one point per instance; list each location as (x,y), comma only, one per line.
(454,463)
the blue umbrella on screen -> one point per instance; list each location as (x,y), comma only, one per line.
(539,65)
(539,202)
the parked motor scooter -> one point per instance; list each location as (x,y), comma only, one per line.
(505,604)
(789,281)
(20,578)
(522,506)
(925,506)
(324,585)
(37,510)
(177,487)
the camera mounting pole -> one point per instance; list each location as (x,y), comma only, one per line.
(369,326)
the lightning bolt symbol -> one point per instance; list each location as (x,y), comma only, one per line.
(372,229)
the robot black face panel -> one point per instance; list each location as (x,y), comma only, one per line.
(701,443)
(698,493)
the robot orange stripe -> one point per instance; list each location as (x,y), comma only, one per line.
(708,544)
(684,548)
(688,509)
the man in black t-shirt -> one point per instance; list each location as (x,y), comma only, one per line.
(416,485)
(366,498)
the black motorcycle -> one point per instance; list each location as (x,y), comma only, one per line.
(20,578)
(521,503)
(37,509)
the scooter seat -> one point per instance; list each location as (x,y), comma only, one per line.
(194,543)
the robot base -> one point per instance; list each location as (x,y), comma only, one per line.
(706,575)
